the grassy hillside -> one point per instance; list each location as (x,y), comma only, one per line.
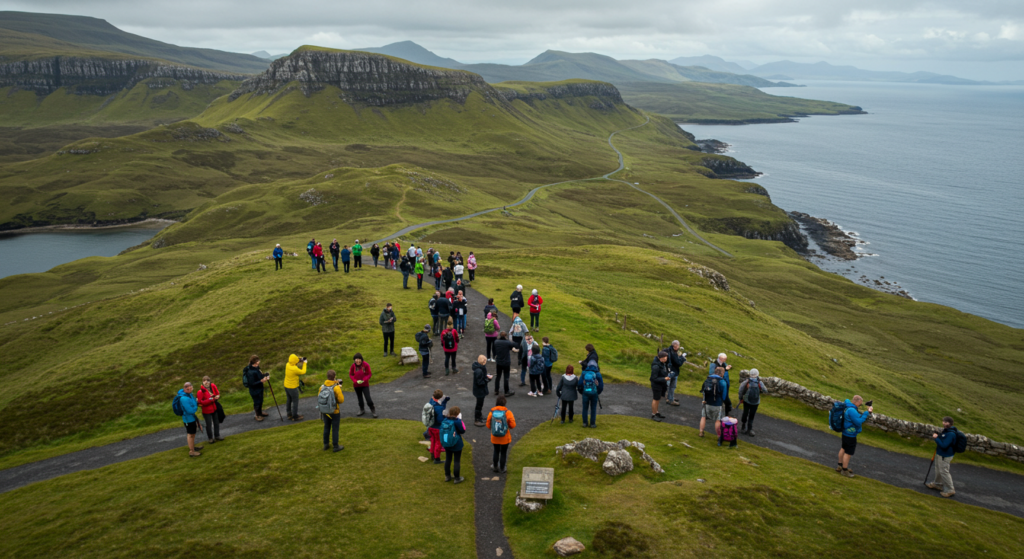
(746,501)
(91,34)
(292,498)
(703,103)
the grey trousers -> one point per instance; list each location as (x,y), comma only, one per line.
(942,476)
(292,406)
(673,381)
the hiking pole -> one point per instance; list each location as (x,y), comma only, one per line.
(275,401)
(557,402)
(599,402)
(927,475)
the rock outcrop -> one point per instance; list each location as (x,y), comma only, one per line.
(617,462)
(528,505)
(568,546)
(591,448)
(607,94)
(828,235)
(100,76)
(728,168)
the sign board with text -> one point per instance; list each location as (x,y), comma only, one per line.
(538,483)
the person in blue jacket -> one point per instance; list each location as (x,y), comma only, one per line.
(189,407)
(720,362)
(309,251)
(945,447)
(454,453)
(853,422)
(278,258)
(591,385)
(346,257)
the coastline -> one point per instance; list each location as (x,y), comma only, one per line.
(78,227)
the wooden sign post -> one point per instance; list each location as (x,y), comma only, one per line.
(538,483)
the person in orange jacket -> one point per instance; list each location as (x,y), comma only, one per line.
(501,422)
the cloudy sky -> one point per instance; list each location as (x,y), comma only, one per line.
(980,39)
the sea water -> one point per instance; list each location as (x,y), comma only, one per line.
(30,253)
(932,179)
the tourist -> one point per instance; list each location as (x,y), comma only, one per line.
(309,250)
(386,253)
(501,422)
(332,420)
(713,393)
(411,253)
(750,394)
(432,307)
(728,431)
(406,269)
(434,418)
(481,383)
(451,258)
(471,266)
(591,386)
(503,350)
(676,359)
(375,253)
(459,287)
(450,345)
(459,309)
(566,392)
(318,256)
(435,271)
(359,373)
(720,363)
(208,397)
(490,308)
(536,365)
(346,258)
(525,352)
(387,327)
(535,301)
(517,334)
(357,255)
(335,253)
(550,355)
(418,270)
(295,368)
(424,341)
(458,270)
(444,311)
(447,278)
(278,258)
(659,383)
(591,359)
(491,330)
(945,448)
(395,253)
(188,406)
(853,422)
(255,380)
(516,300)
(451,431)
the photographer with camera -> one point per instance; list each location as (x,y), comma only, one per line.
(853,422)
(295,368)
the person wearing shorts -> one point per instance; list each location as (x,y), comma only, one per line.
(659,383)
(853,421)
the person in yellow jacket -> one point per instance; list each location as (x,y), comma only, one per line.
(295,368)
(332,421)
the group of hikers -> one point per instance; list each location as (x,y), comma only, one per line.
(448,310)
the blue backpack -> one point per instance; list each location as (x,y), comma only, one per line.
(537,365)
(176,406)
(499,426)
(837,417)
(589,382)
(449,438)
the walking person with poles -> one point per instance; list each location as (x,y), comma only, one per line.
(947,443)
(360,374)
(853,422)
(295,368)
(255,380)
(424,341)
(328,402)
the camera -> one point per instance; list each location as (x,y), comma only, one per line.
(869,403)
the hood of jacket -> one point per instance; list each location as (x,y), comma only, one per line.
(570,377)
(293,360)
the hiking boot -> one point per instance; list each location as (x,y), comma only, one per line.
(385,354)
(673,402)
(448,478)
(219,438)
(659,415)
(264,414)
(393,354)
(455,371)
(458,480)
(479,423)
(327,447)
(447,372)
(839,468)
(932,486)
(947,494)
(494,468)
(197,448)
(211,441)
(373,412)
(750,432)
(437,460)
(339,447)
(513,393)
(426,375)
(504,470)
(522,384)
(194,454)
(656,418)
(847,473)
(300,417)
(496,392)
(563,422)
(258,418)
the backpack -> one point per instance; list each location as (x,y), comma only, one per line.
(499,425)
(837,416)
(712,390)
(537,365)
(753,395)
(428,415)
(589,382)
(489,326)
(960,445)
(729,432)
(449,438)
(326,400)
(553,354)
(245,377)
(448,339)
(176,406)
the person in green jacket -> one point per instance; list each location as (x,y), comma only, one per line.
(419,273)
(357,255)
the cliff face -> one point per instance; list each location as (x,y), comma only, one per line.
(366,78)
(607,94)
(98,76)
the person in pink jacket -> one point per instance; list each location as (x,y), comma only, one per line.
(360,374)
(450,345)
(471,264)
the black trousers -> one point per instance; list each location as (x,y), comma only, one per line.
(749,411)
(502,373)
(358,260)
(331,424)
(478,413)
(546,378)
(363,393)
(278,263)
(727,405)
(536,384)
(257,401)
(450,456)
(472,274)
(534,320)
(500,455)
(426,363)
(389,337)
(434,330)
(449,357)
(490,346)
(212,425)
(321,264)
(568,405)
(346,265)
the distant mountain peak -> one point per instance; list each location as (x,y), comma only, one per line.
(414,52)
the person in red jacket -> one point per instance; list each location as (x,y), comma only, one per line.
(450,345)
(207,397)
(360,374)
(535,301)
(318,255)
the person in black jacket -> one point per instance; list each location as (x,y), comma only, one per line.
(502,361)
(444,310)
(659,383)
(254,379)
(516,300)
(432,307)
(676,359)
(481,380)
(447,277)
(375,254)
(423,339)
(335,253)
(591,357)
(406,268)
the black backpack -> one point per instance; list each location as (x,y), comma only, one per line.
(448,339)
(712,389)
(960,445)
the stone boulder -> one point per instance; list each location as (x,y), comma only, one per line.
(618,462)
(410,356)
(568,546)
(528,505)
(590,448)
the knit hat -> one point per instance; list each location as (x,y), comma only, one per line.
(753,373)
(426,327)
(534,291)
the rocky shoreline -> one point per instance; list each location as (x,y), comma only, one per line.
(827,235)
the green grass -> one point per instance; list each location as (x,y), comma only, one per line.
(706,103)
(752,502)
(256,491)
